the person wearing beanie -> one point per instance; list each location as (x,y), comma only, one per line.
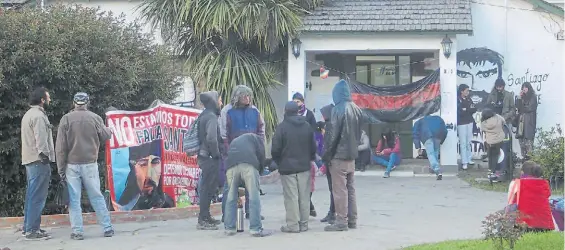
(79,137)
(501,101)
(303,111)
(293,149)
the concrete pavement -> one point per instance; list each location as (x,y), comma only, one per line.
(393,213)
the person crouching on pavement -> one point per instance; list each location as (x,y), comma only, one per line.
(293,149)
(245,158)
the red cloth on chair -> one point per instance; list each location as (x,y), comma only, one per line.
(532,199)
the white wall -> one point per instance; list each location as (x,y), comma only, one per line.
(526,41)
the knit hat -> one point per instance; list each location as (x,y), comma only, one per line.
(298,96)
(499,83)
(291,108)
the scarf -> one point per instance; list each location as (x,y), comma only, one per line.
(302,110)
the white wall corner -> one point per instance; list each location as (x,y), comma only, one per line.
(448,110)
(296,71)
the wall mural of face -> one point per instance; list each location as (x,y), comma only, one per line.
(479,68)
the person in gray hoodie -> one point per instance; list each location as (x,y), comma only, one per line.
(209,156)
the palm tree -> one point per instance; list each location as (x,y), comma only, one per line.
(231,42)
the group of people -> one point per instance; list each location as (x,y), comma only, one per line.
(79,136)
(503,109)
(234,137)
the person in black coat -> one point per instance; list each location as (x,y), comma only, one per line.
(293,149)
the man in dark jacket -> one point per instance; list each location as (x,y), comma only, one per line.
(303,111)
(209,156)
(246,157)
(431,131)
(293,149)
(327,115)
(346,122)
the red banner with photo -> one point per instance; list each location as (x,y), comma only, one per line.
(147,167)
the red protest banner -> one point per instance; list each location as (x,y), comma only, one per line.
(146,165)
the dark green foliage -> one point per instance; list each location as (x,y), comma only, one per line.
(66,50)
(548,151)
(502,229)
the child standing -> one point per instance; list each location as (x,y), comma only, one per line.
(492,124)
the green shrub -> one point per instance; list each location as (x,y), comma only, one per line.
(548,151)
(501,228)
(66,50)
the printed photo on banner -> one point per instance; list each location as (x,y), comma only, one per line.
(146,165)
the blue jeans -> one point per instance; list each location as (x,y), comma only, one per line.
(225,195)
(250,176)
(87,174)
(432,150)
(387,161)
(38,177)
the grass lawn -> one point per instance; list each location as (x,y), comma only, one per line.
(537,241)
(473,174)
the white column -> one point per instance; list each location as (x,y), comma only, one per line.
(448,110)
(296,71)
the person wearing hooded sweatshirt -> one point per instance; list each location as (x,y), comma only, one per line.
(364,153)
(431,131)
(492,125)
(303,111)
(346,122)
(293,149)
(239,117)
(209,156)
(327,115)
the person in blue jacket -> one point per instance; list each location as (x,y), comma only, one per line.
(431,131)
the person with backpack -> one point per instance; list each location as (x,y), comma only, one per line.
(209,156)
(293,150)
(431,131)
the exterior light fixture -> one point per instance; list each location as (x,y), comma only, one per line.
(296,47)
(446,45)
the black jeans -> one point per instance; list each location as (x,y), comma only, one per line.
(493,153)
(209,184)
(363,159)
(332,205)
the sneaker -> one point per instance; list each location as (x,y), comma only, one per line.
(214,221)
(109,233)
(40,231)
(230,232)
(247,216)
(471,163)
(75,236)
(336,228)
(352,225)
(464,167)
(386,175)
(303,226)
(329,217)
(262,233)
(393,168)
(439,177)
(37,236)
(286,229)
(204,225)
(313,213)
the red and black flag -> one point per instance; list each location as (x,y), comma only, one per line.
(398,103)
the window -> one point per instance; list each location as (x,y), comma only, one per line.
(383,70)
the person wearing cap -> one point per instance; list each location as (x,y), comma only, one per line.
(293,149)
(501,101)
(79,137)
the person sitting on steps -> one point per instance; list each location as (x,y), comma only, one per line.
(388,152)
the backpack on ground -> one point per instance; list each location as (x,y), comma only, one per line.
(190,143)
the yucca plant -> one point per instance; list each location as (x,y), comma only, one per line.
(231,42)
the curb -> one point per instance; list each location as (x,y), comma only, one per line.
(394,174)
(158,214)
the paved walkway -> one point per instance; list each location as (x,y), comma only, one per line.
(393,213)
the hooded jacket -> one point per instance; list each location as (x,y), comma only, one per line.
(346,121)
(493,128)
(364,144)
(236,120)
(429,127)
(293,146)
(327,115)
(208,129)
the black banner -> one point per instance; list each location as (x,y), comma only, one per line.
(398,103)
